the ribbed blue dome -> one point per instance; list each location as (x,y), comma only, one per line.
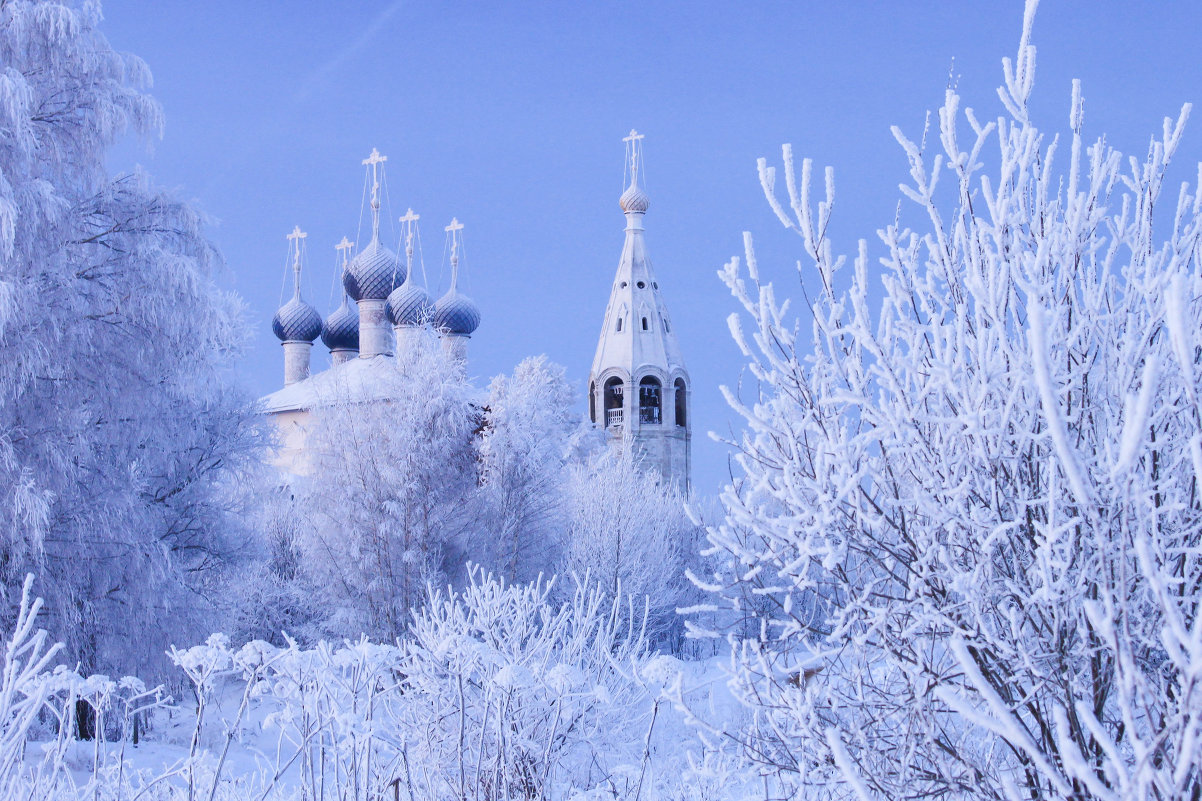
(373,273)
(456,314)
(341,329)
(409,304)
(296,321)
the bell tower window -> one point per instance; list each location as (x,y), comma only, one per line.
(649,401)
(613,402)
(681,403)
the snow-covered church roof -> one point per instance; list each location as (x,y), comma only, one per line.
(363,380)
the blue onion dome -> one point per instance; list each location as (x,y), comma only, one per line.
(341,329)
(373,273)
(634,199)
(409,304)
(296,321)
(456,314)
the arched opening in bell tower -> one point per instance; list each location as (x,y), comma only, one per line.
(613,402)
(681,404)
(650,408)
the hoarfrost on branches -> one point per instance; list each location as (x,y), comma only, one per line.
(121,435)
(966,534)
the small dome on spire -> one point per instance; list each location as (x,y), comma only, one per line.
(409,304)
(456,314)
(296,321)
(341,328)
(634,199)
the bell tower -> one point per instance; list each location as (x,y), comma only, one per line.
(638,386)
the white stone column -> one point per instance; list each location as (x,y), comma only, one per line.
(375,334)
(455,347)
(407,337)
(296,361)
(341,355)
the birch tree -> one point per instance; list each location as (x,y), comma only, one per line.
(121,433)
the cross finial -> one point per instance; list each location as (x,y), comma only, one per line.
(294,244)
(633,141)
(344,248)
(453,229)
(375,158)
(374,161)
(409,221)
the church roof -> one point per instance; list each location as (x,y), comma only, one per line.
(361,379)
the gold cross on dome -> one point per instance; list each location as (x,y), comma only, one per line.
(634,136)
(455,225)
(410,217)
(297,233)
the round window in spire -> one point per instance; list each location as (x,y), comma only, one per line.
(641,285)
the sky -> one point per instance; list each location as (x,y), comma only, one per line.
(510,117)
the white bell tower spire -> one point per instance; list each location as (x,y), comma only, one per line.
(638,385)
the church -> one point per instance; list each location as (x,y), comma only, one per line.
(638,387)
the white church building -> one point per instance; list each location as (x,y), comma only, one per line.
(638,385)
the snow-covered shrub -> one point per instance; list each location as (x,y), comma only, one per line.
(47,701)
(629,532)
(969,512)
(505,694)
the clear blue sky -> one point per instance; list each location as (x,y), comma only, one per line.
(510,117)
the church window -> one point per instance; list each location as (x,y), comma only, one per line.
(613,402)
(592,401)
(681,403)
(649,401)
(619,324)
(644,323)
(642,285)
(666,327)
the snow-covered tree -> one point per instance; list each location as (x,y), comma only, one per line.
(971,507)
(391,493)
(120,432)
(628,530)
(530,432)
